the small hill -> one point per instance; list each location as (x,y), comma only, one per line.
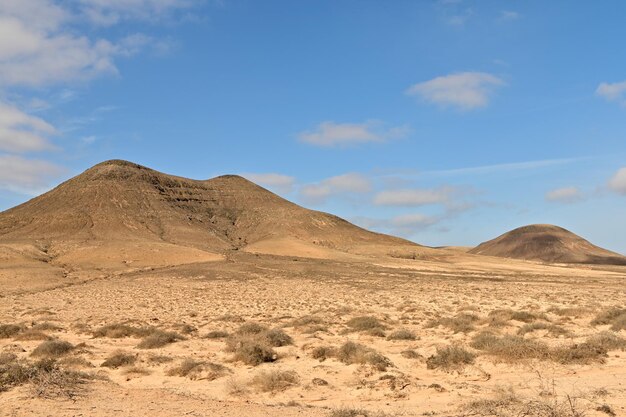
(547,243)
(126,212)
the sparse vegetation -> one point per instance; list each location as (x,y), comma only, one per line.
(159,339)
(250,351)
(193,369)
(461,323)
(31,334)
(552,329)
(609,316)
(450,358)
(52,349)
(119,359)
(402,334)
(275,380)
(349,412)
(351,353)
(216,334)
(46,378)
(323,352)
(10,330)
(364,323)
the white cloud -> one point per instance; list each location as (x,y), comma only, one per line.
(507,15)
(333,134)
(465,90)
(351,183)
(413,197)
(109,12)
(26,176)
(20,132)
(564,195)
(613,91)
(414,220)
(278,182)
(618,182)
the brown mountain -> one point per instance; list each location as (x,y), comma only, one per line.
(119,211)
(547,243)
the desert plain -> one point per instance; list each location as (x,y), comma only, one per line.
(129,292)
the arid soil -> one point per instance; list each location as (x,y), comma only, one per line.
(258,334)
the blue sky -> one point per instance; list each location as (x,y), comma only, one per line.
(447,122)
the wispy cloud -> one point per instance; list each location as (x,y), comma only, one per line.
(27,176)
(277,182)
(21,132)
(110,12)
(613,92)
(506,167)
(413,197)
(565,195)
(351,183)
(508,15)
(464,90)
(331,134)
(617,183)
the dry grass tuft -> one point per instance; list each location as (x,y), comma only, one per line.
(275,380)
(323,352)
(250,350)
(609,316)
(349,412)
(159,338)
(553,329)
(10,330)
(121,330)
(364,323)
(46,378)
(195,369)
(31,334)
(53,349)
(355,353)
(450,358)
(119,359)
(461,323)
(216,334)
(402,334)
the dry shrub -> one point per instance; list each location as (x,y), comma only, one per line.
(47,379)
(461,323)
(619,323)
(236,387)
(53,349)
(364,323)
(450,358)
(410,354)
(46,326)
(351,353)
(349,412)
(31,334)
(306,321)
(216,334)
(118,359)
(402,334)
(194,369)
(553,329)
(185,328)
(609,316)
(136,371)
(275,380)
(10,330)
(277,338)
(159,338)
(515,348)
(510,348)
(501,317)
(506,403)
(250,350)
(251,328)
(120,330)
(323,352)
(569,311)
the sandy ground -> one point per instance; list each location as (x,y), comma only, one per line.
(278,292)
